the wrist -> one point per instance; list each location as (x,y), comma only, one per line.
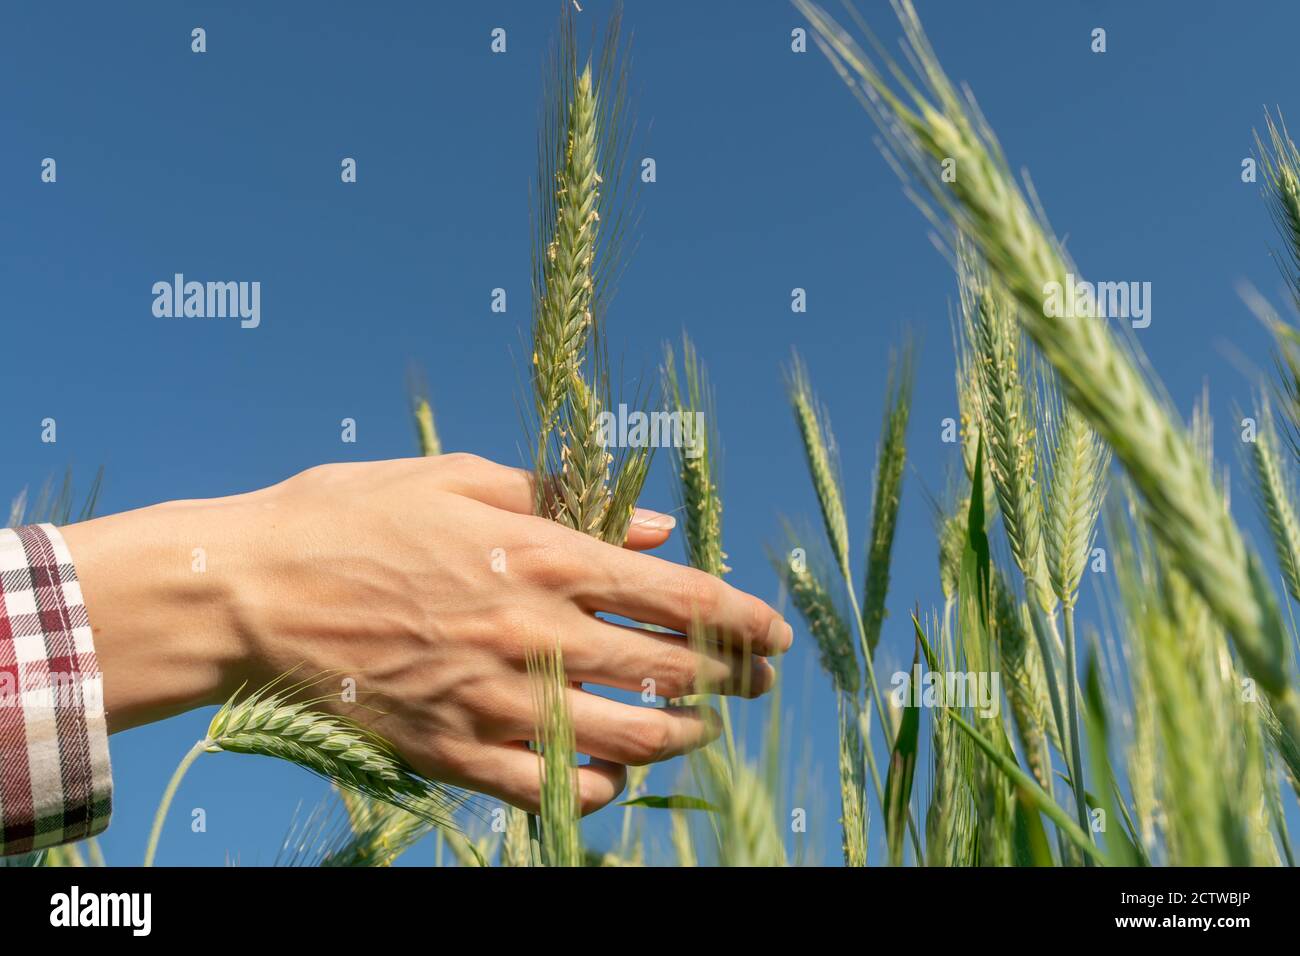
(158,588)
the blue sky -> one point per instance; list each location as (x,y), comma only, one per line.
(226,166)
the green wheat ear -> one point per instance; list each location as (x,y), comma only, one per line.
(823,464)
(1198,765)
(425,430)
(577,240)
(1280,160)
(690,397)
(1274,491)
(809,584)
(273,722)
(993,348)
(1281,164)
(372,834)
(891,457)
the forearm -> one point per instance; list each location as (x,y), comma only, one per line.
(159,607)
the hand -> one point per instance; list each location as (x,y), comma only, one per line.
(427,581)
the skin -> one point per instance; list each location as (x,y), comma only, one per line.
(389,573)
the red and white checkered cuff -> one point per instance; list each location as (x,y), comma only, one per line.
(55,780)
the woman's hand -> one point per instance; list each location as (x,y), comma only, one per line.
(422,584)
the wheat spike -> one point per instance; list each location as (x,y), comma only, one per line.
(993,343)
(1026,684)
(1280,161)
(1076,479)
(271,723)
(891,457)
(854,808)
(746,814)
(696,466)
(807,585)
(425,431)
(577,236)
(1274,491)
(819,444)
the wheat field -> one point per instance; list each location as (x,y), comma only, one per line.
(1169,737)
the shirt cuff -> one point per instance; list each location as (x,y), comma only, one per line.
(55,780)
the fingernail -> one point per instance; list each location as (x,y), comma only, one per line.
(653,520)
(762,675)
(780,636)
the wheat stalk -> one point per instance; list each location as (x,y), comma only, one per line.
(807,586)
(563,318)
(682,841)
(748,834)
(515,847)
(1075,489)
(819,453)
(377,834)
(855,812)
(426,432)
(1008,411)
(561,843)
(1099,376)
(1281,164)
(952,539)
(372,834)
(697,488)
(992,341)
(1208,766)
(891,457)
(577,234)
(951,824)
(581,154)
(808,590)
(823,468)
(1026,690)
(269,722)
(1076,486)
(1273,489)
(337,748)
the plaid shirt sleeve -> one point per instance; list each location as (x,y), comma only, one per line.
(55,782)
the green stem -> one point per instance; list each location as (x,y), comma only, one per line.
(885,724)
(534,839)
(165,804)
(1029,786)
(1044,628)
(1076,751)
